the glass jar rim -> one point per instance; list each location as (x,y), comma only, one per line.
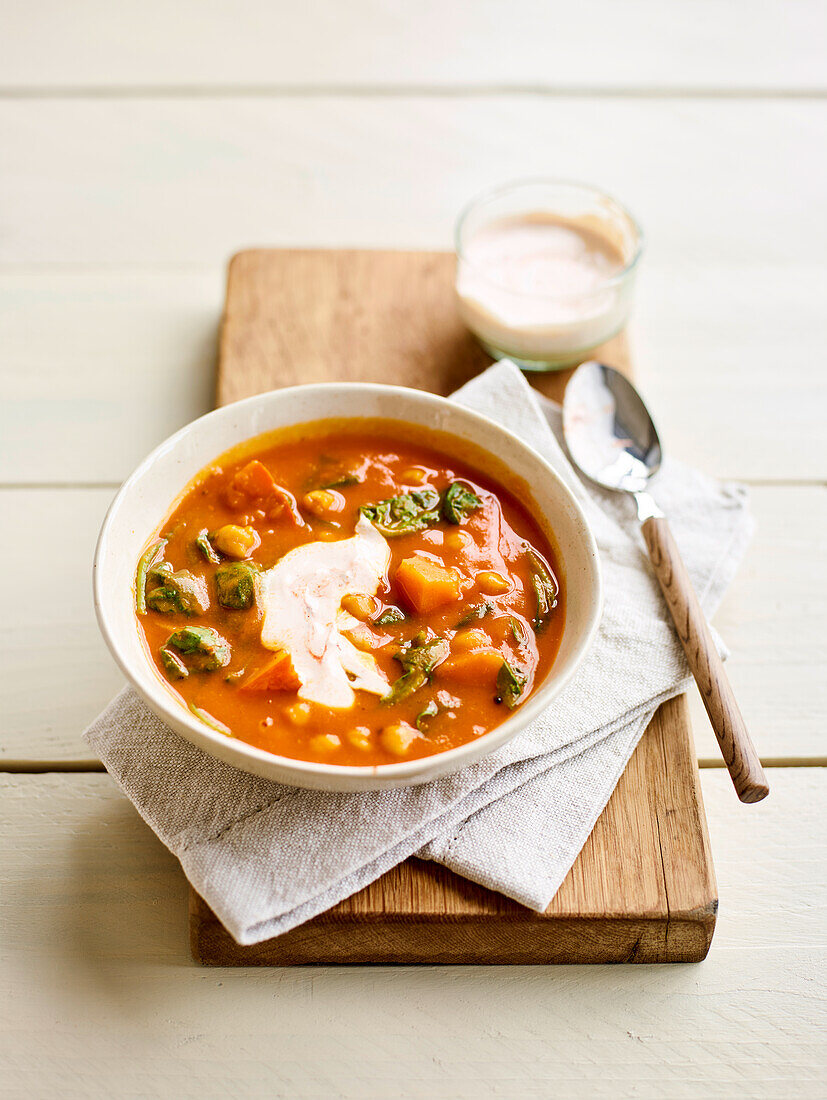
(554,181)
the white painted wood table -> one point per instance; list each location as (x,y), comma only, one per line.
(142,144)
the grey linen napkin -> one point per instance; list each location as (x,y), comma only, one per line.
(267,857)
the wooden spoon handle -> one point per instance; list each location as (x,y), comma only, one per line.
(707,667)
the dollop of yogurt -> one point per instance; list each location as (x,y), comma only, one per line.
(300,598)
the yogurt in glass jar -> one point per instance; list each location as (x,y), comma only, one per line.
(545,271)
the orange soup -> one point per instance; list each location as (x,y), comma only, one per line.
(350,596)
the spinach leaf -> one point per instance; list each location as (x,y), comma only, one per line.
(478,611)
(458,501)
(235,583)
(406,685)
(429,711)
(181,591)
(390,616)
(404,514)
(204,647)
(545,590)
(173,665)
(145,562)
(418,659)
(419,508)
(341,482)
(510,685)
(205,546)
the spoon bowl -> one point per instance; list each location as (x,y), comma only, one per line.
(608,429)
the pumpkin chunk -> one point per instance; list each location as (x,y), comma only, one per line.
(277,674)
(466,640)
(426,585)
(254,486)
(253,481)
(474,667)
(236,542)
(397,739)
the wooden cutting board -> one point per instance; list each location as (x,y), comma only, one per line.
(643,888)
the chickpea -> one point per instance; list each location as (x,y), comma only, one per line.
(323,502)
(360,606)
(235,542)
(458,540)
(298,714)
(398,739)
(414,475)
(362,636)
(359,737)
(492,584)
(325,742)
(466,640)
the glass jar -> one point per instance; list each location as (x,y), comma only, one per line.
(546,271)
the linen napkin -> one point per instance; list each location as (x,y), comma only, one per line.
(267,857)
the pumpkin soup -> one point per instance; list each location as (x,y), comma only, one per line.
(350,596)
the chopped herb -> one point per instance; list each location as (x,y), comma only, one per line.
(146,560)
(390,616)
(181,591)
(205,546)
(204,646)
(236,585)
(406,685)
(545,589)
(208,720)
(404,514)
(478,611)
(418,659)
(510,685)
(429,711)
(458,501)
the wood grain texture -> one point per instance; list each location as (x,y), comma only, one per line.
(199,178)
(772,620)
(643,888)
(56,673)
(354,316)
(642,44)
(99,998)
(707,667)
(313,315)
(98,367)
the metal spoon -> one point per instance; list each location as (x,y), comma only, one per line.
(611,437)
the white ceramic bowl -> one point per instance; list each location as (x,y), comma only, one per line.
(145,498)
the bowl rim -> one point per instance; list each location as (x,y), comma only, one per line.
(173,713)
